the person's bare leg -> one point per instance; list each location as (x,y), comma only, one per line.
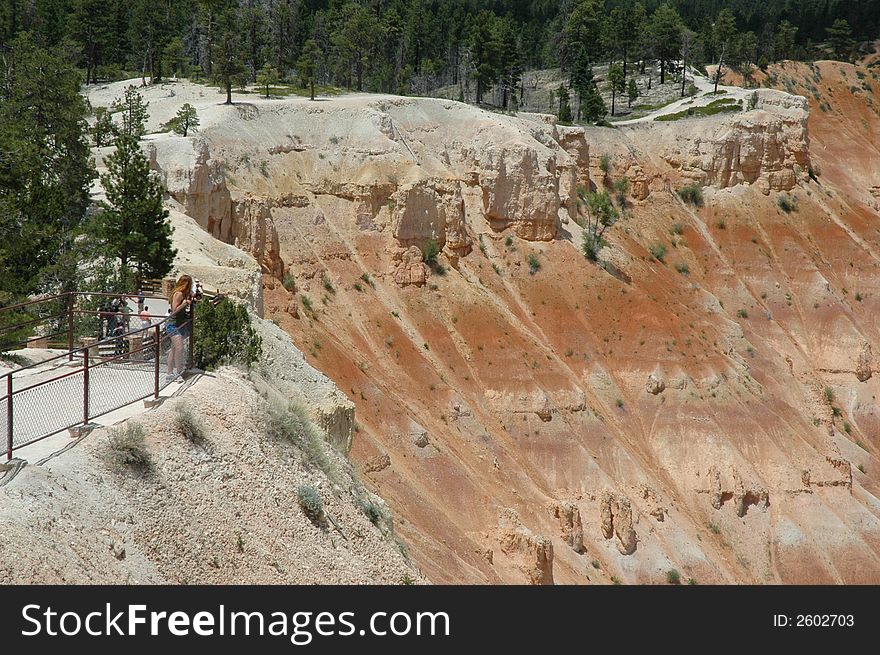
(172,355)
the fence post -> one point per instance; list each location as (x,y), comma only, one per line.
(9,416)
(70,300)
(85,386)
(156,368)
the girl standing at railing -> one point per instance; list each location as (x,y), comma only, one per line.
(178,328)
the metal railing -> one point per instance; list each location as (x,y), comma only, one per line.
(85,382)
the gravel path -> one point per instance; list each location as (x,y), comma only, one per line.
(704,86)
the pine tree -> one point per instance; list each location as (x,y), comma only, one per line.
(134,112)
(666,36)
(45,170)
(786,33)
(582,80)
(308,65)
(104,130)
(840,38)
(595,108)
(564,113)
(186,120)
(227,63)
(632,92)
(723,34)
(267,76)
(133,227)
(90,24)
(618,83)
(583,31)
(485,51)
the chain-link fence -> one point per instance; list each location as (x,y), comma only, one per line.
(107,374)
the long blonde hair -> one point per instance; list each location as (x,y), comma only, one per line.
(184,285)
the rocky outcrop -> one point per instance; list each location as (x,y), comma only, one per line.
(768,146)
(655,384)
(569,517)
(615,511)
(252,229)
(430,212)
(198,182)
(411,269)
(330,409)
(732,487)
(865,363)
(520,192)
(531,553)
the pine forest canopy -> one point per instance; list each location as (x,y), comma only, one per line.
(414,46)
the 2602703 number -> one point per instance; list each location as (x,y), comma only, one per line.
(824,620)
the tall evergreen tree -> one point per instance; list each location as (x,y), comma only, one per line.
(227,65)
(564,113)
(666,36)
(618,83)
(90,25)
(133,227)
(45,169)
(308,65)
(186,120)
(133,108)
(840,38)
(484,51)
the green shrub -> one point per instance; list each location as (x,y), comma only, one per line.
(621,188)
(372,511)
(753,101)
(677,228)
(605,163)
(658,251)
(187,423)
(128,448)
(534,264)
(591,245)
(431,251)
(289,282)
(672,577)
(741,313)
(224,335)
(829,395)
(787,203)
(328,285)
(683,268)
(692,193)
(310,502)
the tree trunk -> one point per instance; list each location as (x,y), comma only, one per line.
(720,64)
(229,90)
(683,74)
(662,71)
(613,98)
(312,85)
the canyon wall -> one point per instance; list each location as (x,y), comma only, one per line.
(701,401)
